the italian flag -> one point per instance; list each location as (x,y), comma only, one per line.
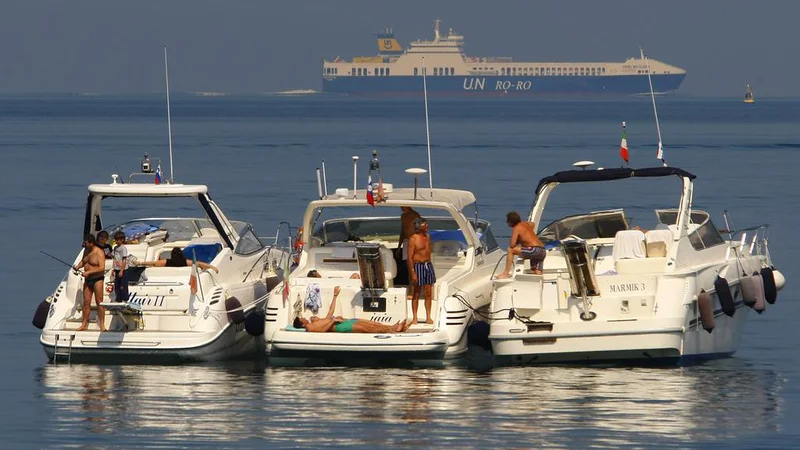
(623,146)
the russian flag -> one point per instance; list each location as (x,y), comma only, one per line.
(158,174)
(370,197)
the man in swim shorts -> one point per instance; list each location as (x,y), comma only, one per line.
(420,268)
(93,264)
(341,325)
(525,243)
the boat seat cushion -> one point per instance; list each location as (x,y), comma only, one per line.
(657,242)
(629,244)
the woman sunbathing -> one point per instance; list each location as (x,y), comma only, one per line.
(340,325)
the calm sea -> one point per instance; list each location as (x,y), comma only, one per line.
(258,157)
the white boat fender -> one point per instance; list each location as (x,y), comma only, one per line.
(234,308)
(478,335)
(770,289)
(40,316)
(725,297)
(254,323)
(706,306)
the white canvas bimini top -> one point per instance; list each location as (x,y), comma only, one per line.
(405,196)
(147,190)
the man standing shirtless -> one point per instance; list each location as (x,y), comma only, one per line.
(93,264)
(525,243)
(420,268)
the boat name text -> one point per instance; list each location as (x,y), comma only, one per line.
(146,300)
(479,84)
(627,287)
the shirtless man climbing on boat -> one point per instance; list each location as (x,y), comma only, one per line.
(525,243)
(93,264)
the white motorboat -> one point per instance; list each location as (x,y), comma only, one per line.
(163,320)
(612,292)
(343,236)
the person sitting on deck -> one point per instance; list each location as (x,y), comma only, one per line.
(176,259)
(340,325)
(525,243)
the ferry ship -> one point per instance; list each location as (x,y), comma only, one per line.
(396,71)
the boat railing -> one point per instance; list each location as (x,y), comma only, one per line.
(752,240)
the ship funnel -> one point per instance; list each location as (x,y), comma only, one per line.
(388,44)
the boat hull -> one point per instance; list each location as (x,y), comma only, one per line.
(232,342)
(667,341)
(501,86)
(288,347)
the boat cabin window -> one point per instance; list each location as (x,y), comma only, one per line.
(372,229)
(248,242)
(603,224)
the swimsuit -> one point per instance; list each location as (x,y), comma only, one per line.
(425,274)
(535,254)
(345,327)
(90,282)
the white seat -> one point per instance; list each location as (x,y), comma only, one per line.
(629,244)
(657,242)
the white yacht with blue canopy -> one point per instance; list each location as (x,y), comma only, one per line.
(680,289)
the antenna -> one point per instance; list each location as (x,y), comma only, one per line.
(169,119)
(660,152)
(427,124)
(324,178)
(355,175)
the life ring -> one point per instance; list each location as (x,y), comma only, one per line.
(725,297)
(706,306)
(109,288)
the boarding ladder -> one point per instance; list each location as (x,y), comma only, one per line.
(66,351)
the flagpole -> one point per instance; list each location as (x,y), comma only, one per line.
(660,151)
(427,125)
(169,120)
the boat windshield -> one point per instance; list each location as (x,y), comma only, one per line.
(333,225)
(177,229)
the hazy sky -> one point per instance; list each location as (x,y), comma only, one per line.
(266,46)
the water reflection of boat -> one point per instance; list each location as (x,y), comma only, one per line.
(237,403)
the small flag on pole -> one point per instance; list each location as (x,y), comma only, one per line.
(370,197)
(158,174)
(660,153)
(623,146)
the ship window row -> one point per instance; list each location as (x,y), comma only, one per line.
(568,71)
(437,71)
(362,72)
(331,71)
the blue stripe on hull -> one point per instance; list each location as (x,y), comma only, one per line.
(501,85)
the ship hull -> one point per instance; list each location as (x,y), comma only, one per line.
(500,86)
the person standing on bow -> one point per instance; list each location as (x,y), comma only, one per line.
(420,268)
